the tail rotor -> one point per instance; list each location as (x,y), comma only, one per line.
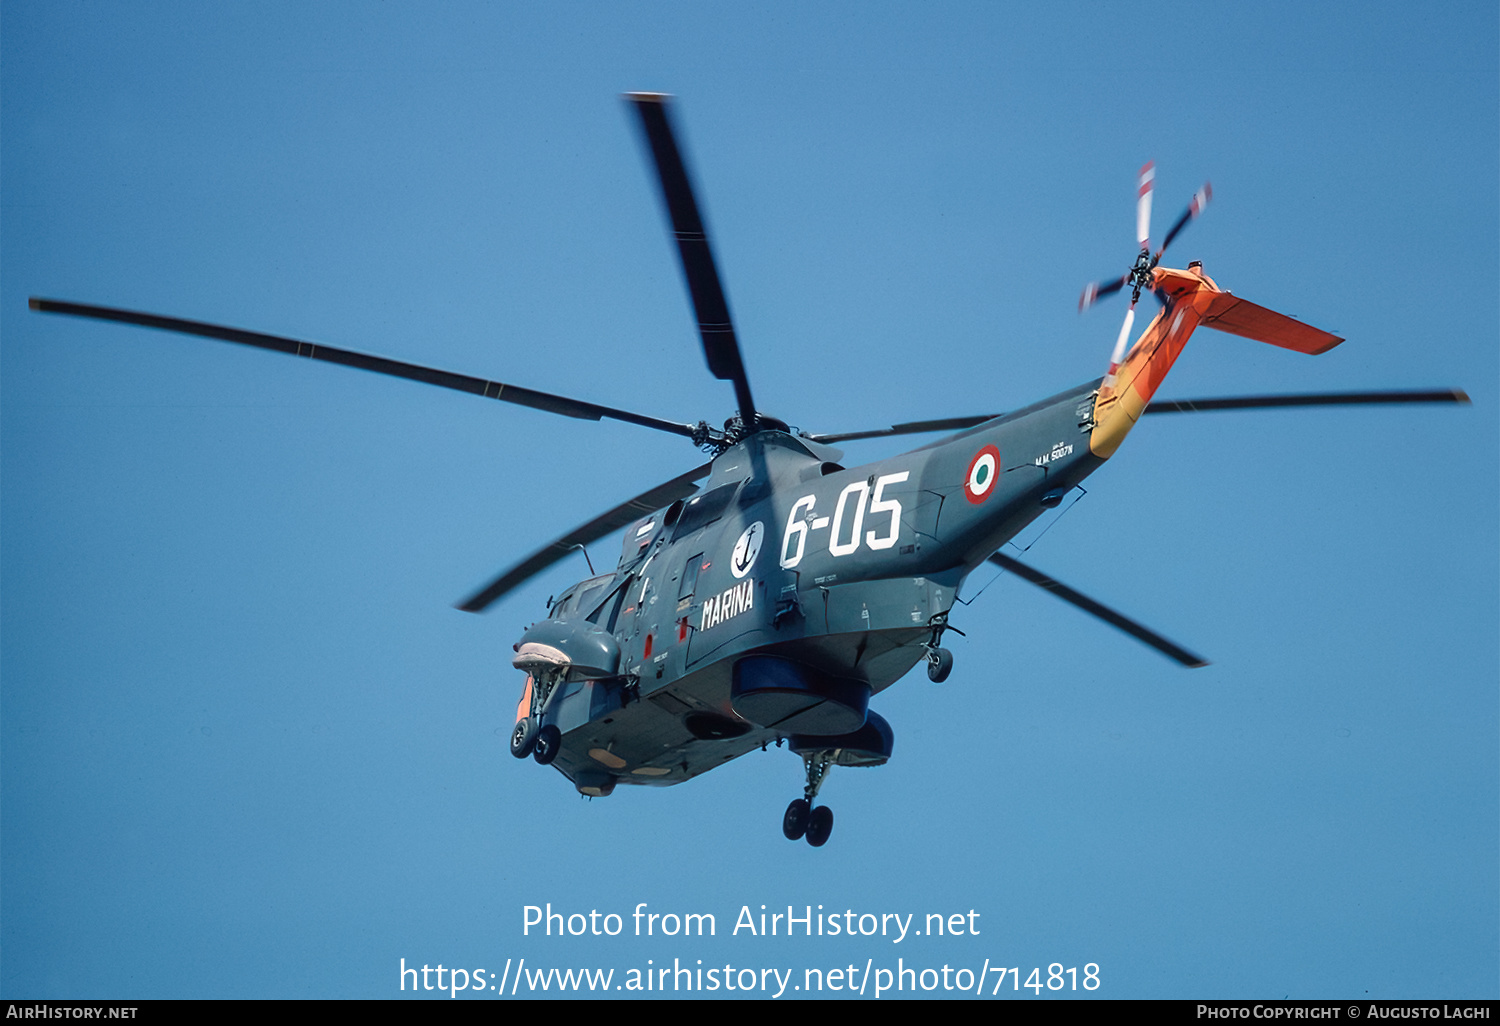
(1141,276)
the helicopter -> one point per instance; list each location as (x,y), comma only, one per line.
(769,594)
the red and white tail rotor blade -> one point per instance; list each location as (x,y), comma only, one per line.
(1118,356)
(1200,199)
(1199,204)
(1143,205)
(1093,292)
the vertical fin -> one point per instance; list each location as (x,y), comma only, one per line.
(1127,390)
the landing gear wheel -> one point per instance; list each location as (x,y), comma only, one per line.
(819,826)
(523,738)
(547,744)
(939,664)
(794,823)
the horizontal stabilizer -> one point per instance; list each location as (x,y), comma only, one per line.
(1240,317)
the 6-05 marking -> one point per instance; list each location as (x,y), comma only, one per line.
(852,504)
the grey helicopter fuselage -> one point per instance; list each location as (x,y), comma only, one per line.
(773,602)
(788,590)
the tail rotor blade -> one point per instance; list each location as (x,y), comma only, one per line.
(1117,357)
(1093,292)
(1143,205)
(1199,204)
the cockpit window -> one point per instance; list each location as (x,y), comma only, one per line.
(608,610)
(581,596)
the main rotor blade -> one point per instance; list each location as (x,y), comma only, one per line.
(362,361)
(1255,402)
(646,502)
(915,427)
(1103,612)
(709,304)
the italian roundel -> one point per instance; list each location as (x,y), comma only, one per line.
(984,471)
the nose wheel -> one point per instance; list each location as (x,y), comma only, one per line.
(530,736)
(548,743)
(523,738)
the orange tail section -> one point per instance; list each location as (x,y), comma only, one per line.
(1195,300)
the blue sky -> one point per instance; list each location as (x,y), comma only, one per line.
(247,746)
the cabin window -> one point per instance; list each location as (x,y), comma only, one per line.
(689,581)
(702,510)
(754,490)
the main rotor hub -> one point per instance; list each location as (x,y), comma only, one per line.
(1141,275)
(735,431)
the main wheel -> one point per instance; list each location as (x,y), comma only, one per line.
(548,744)
(794,823)
(939,665)
(819,826)
(523,737)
